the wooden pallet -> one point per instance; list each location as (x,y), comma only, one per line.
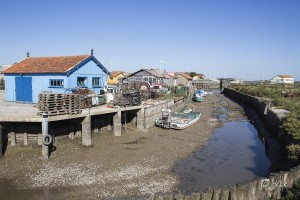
(59,104)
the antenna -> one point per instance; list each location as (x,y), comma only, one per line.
(111,65)
(160,63)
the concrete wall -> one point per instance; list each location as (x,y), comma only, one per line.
(154,111)
(260,188)
(270,114)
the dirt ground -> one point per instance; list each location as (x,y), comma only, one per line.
(136,165)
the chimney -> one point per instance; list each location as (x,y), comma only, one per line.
(28,54)
(92,52)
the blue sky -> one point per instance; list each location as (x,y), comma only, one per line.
(247,39)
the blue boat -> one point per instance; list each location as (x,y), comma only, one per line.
(199,95)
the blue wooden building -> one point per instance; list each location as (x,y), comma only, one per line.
(33,75)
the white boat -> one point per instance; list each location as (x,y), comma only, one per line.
(179,120)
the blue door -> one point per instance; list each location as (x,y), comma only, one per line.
(24,89)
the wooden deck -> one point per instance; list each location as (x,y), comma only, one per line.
(20,112)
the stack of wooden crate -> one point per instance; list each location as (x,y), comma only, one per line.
(72,103)
(59,104)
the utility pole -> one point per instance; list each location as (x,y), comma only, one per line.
(160,64)
(111,65)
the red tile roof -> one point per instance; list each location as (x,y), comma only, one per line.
(116,73)
(61,64)
(187,76)
(285,76)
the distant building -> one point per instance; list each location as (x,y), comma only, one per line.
(171,80)
(2,68)
(116,77)
(236,81)
(33,75)
(282,79)
(198,77)
(184,79)
(150,76)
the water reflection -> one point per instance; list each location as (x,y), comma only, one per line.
(234,154)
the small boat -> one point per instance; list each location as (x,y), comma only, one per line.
(199,95)
(179,120)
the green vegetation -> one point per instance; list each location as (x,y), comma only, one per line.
(192,74)
(285,96)
(292,193)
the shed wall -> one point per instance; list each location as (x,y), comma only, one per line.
(89,70)
(41,82)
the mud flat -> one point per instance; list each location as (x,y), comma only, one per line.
(136,165)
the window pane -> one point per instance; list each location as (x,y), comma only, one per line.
(56,83)
(82,81)
(96,81)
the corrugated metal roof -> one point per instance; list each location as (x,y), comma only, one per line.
(61,64)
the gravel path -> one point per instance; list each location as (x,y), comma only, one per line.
(136,165)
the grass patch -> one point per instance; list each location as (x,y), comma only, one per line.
(292,193)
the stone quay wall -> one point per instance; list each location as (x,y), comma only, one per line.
(259,188)
(262,106)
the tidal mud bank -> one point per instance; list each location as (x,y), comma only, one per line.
(138,164)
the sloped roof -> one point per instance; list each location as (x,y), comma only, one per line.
(60,64)
(154,72)
(285,76)
(186,76)
(116,73)
(170,76)
(4,67)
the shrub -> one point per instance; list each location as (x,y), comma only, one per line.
(292,193)
(293,151)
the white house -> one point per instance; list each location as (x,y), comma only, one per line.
(282,79)
(2,68)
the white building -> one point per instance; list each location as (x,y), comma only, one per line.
(282,79)
(2,68)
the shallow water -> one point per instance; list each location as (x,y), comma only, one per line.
(234,154)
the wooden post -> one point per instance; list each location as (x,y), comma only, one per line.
(40,139)
(13,137)
(25,137)
(140,118)
(86,130)
(221,84)
(117,123)
(109,123)
(45,129)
